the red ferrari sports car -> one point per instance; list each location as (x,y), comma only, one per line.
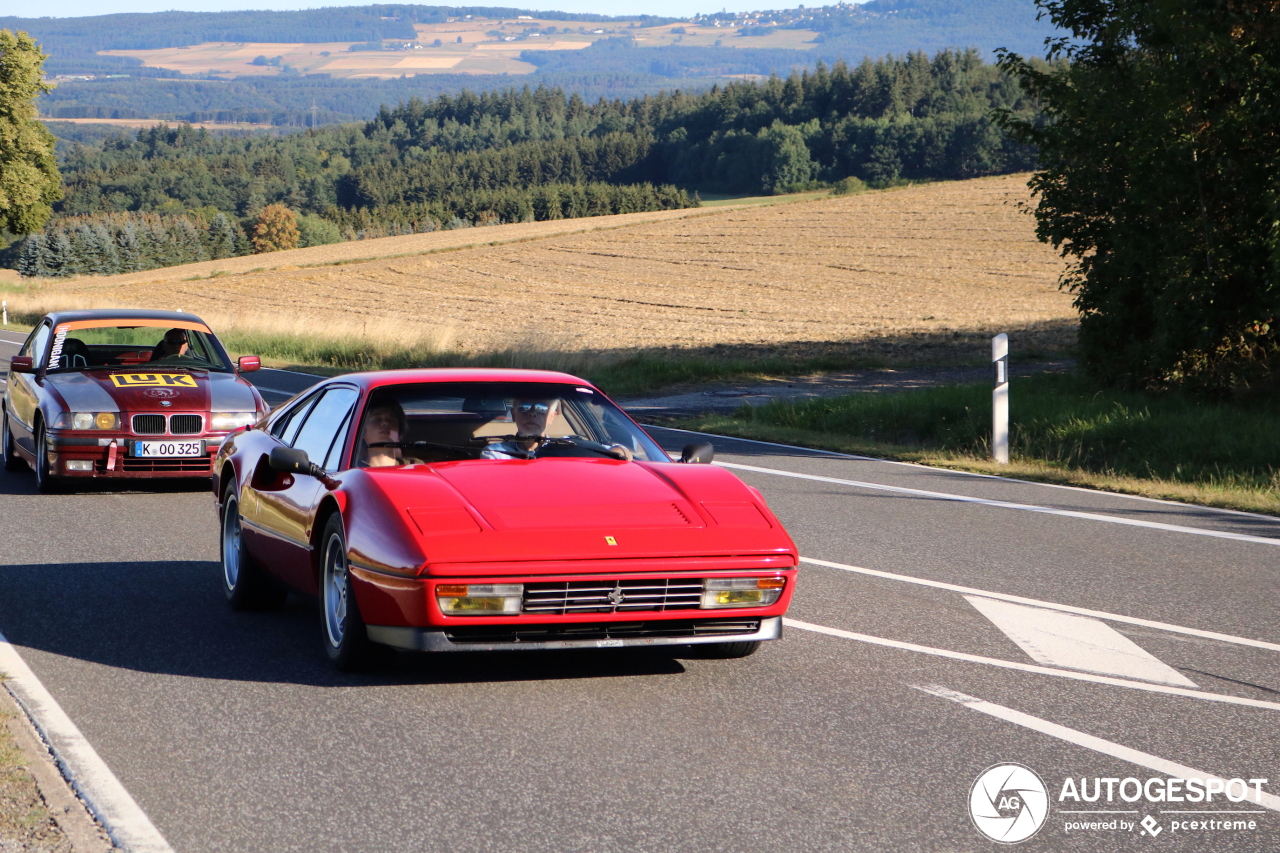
(459,510)
(122,393)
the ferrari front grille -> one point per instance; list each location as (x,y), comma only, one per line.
(612,596)
(148,424)
(602,630)
(186,424)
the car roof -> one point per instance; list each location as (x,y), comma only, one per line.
(120,314)
(413,376)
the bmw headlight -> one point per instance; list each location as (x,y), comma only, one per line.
(87,420)
(227,421)
(741,592)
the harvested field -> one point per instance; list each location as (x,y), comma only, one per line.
(924,263)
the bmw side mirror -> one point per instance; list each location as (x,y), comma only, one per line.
(21,364)
(701,453)
(249,363)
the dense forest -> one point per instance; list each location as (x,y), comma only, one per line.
(532,154)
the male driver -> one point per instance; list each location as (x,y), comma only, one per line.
(531,418)
(174,343)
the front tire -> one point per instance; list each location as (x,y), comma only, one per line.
(341,627)
(12,461)
(725,651)
(246,586)
(46,483)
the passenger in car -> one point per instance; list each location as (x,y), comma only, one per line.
(384,423)
(531,419)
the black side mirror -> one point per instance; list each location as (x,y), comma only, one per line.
(289,460)
(701,453)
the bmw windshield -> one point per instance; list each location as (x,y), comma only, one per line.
(135,344)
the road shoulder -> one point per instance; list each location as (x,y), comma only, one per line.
(39,812)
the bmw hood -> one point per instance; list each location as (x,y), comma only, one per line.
(108,390)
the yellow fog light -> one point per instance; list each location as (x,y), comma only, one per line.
(741,592)
(106,420)
(479,599)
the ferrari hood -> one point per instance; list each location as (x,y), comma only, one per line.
(549,511)
(108,390)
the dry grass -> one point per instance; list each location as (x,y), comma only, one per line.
(928,263)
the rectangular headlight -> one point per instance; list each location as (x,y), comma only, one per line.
(741,592)
(479,599)
(227,421)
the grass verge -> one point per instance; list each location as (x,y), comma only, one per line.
(25,822)
(1064,429)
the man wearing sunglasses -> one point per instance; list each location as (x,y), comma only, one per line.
(531,419)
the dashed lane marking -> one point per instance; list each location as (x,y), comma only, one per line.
(1097,744)
(126,823)
(1032,668)
(1065,608)
(1054,638)
(1065,513)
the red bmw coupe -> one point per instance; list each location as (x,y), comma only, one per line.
(122,394)
(460,510)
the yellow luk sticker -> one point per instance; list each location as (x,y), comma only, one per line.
(153,380)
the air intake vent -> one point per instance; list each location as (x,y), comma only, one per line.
(186,424)
(148,424)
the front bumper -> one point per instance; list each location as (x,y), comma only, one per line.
(432,640)
(97,451)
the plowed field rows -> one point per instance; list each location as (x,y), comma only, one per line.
(938,259)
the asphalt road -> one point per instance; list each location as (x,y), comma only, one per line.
(863,729)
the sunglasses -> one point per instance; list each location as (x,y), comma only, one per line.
(526,408)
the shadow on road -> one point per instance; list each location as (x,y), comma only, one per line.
(170,618)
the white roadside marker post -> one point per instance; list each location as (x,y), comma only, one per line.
(1000,399)
(5,310)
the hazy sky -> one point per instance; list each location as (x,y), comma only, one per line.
(666,8)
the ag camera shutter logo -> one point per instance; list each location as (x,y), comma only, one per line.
(1008,803)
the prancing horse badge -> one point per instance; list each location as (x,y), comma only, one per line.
(609,540)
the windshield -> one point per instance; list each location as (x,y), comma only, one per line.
(424,423)
(138,344)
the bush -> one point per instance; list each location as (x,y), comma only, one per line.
(317,231)
(848,186)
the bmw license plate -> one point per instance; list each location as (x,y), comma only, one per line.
(168,448)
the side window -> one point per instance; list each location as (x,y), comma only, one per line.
(334,459)
(37,344)
(324,421)
(286,427)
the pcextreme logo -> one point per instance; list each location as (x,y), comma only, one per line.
(1008,803)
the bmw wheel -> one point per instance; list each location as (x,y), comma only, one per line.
(46,482)
(12,461)
(246,586)
(345,638)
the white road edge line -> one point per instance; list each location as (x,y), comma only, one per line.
(1033,668)
(1065,513)
(1049,605)
(125,822)
(936,470)
(1088,741)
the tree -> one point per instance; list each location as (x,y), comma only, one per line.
(1159,150)
(276,229)
(29,179)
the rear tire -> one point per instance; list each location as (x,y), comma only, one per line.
(246,586)
(341,626)
(725,651)
(46,483)
(12,461)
